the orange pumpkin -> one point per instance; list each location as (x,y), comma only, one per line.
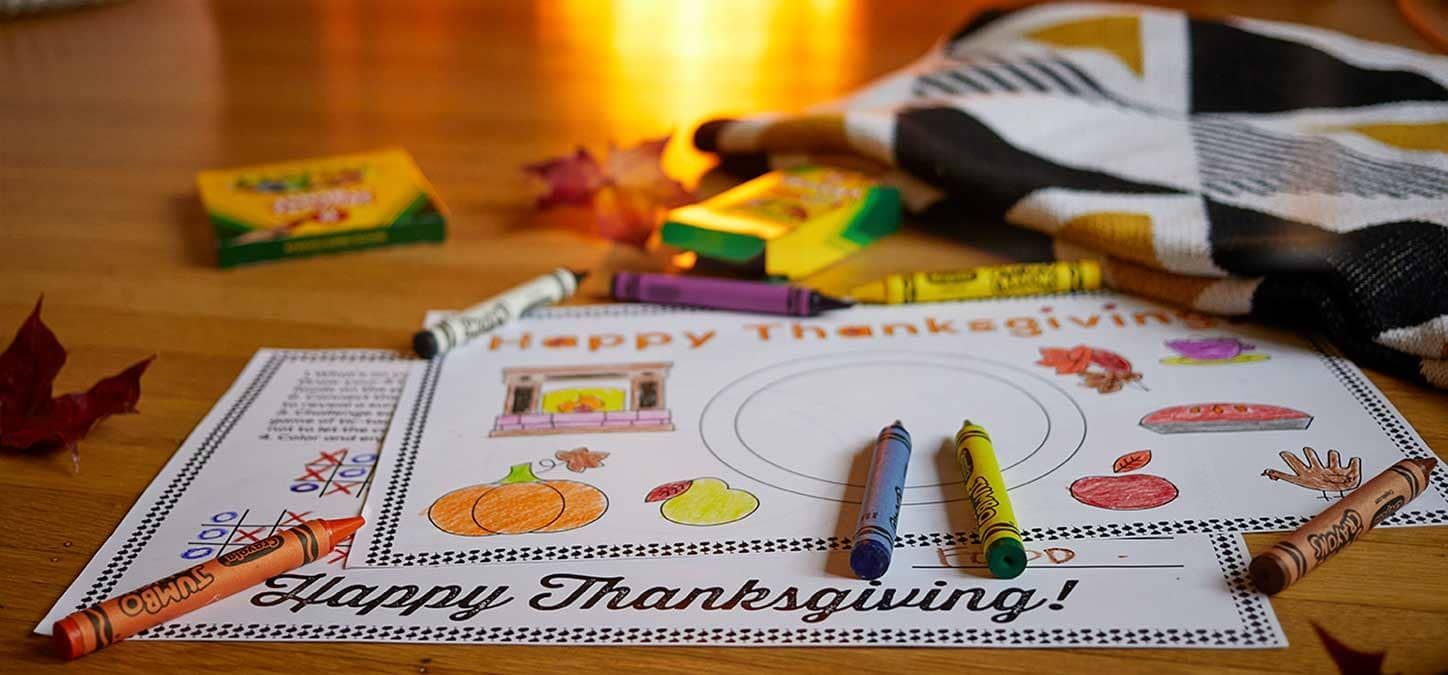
(453,512)
(520,503)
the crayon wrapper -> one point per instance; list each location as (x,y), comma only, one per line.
(984,484)
(190,589)
(992,282)
(1332,530)
(884,487)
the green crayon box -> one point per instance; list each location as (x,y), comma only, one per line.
(787,223)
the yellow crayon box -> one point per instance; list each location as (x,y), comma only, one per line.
(322,205)
(786,223)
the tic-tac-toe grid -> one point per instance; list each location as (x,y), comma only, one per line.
(336,472)
(228,530)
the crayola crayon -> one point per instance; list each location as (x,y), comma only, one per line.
(880,507)
(1339,525)
(193,588)
(731,294)
(982,282)
(495,311)
(1000,536)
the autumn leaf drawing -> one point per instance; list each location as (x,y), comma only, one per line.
(1110,381)
(579,460)
(1131,461)
(1111,361)
(1066,361)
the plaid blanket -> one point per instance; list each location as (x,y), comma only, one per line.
(1240,167)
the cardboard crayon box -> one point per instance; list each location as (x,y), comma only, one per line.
(786,224)
(323,205)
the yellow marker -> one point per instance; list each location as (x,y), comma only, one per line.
(982,282)
(1000,536)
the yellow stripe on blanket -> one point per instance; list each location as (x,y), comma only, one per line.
(1119,35)
(1124,234)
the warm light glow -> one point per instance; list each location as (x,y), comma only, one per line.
(685,260)
(657,67)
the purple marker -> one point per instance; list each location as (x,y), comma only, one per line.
(740,296)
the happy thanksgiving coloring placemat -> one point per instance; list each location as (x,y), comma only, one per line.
(296,437)
(634,431)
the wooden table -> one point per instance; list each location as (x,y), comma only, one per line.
(106,115)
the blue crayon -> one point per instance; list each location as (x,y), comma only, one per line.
(880,509)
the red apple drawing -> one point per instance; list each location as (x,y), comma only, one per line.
(1130,492)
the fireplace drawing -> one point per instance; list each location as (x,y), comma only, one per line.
(584,399)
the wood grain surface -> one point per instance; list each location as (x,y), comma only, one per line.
(106,115)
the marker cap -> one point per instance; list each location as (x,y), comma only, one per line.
(1006,558)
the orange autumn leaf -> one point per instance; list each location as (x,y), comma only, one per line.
(1131,461)
(1066,361)
(628,192)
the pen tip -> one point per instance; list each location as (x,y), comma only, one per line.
(578,275)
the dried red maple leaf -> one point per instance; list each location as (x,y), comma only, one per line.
(1131,461)
(570,180)
(629,192)
(1350,661)
(30,418)
(1066,361)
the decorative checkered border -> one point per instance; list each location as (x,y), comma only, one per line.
(1256,629)
(381,554)
(160,509)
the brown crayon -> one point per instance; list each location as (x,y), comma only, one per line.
(193,588)
(1341,524)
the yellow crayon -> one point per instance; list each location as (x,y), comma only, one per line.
(982,282)
(1000,536)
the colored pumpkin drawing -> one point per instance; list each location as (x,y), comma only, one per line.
(1100,369)
(1131,492)
(702,501)
(520,503)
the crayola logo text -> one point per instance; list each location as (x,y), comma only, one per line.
(250,552)
(984,499)
(1325,544)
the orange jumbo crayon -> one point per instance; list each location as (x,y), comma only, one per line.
(193,588)
(1340,524)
